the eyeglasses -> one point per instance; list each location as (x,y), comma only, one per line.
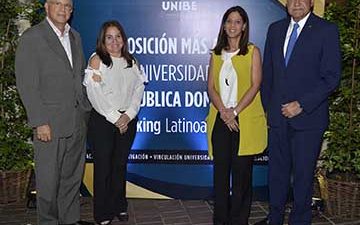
(67,7)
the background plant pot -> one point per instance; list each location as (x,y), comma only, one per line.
(342,198)
(13,185)
(340,160)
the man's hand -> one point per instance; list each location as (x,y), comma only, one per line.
(43,133)
(122,123)
(291,109)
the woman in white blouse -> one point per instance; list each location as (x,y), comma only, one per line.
(115,88)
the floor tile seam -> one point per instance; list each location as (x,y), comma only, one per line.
(211,223)
(357,222)
(169,213)
(187,213)
(203,223)
(209,206)
(163,220)
(147,223)
(263,208)
(203,215)
(176,217)
(327,218)
(168,202)
(172,211)
(257,211)
(201,204)
(322,223)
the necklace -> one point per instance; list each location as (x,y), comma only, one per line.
(227,67)
(227,82)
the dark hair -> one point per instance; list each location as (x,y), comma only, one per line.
(222,41)
(101,49)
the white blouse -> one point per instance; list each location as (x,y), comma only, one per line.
(228,80)
(120,90)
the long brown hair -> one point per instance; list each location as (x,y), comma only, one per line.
(222,41)
(101,49)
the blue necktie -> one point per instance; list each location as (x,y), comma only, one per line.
(292,40)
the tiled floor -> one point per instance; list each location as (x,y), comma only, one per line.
(155,212)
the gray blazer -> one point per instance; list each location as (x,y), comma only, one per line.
(49,87)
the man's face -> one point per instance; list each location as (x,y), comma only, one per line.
(59,11)
(298,9)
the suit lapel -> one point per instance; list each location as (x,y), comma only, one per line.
(54,43)
(282,37)
(74,52)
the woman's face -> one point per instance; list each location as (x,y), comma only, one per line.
(234,25)
(113,41)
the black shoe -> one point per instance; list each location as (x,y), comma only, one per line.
(105,222)
(123,216)
(263,222)
(81,222)
(216,222)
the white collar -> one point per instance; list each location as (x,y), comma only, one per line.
(57,31)
(300,22)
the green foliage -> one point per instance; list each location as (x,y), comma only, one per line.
(16,151)
(342,154)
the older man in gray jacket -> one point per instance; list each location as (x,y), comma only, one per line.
(49,70)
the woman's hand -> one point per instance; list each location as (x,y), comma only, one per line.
(227,115)
(96,77)
(122,123)
(233,125)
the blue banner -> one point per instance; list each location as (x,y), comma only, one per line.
(172,42)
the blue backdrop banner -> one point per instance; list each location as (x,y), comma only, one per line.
(172,41)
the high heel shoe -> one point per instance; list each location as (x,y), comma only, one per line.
(123,216)
(105,222)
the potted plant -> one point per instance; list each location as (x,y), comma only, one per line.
(16,153)
(341,156)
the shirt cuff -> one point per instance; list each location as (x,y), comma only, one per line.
(131,113)
(113,116)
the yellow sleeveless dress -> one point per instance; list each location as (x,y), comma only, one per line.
(252,121)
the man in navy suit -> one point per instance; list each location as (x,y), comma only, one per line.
(301,69)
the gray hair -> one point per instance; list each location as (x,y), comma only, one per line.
(54,0)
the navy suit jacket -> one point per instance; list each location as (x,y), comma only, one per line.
(312,73)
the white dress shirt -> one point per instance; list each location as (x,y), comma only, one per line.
(290,28)
(120,90)
(228,80)
(63,38)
